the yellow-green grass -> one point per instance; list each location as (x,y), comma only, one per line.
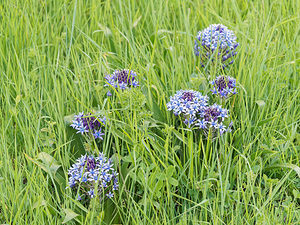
(53,59)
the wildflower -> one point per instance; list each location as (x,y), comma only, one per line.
(110,195)
(91,193)
(214,116)
(122,79)
(85,124)
(216,40)
(98,134)
(224,86)
(202,124)
(190,121)
(91,172)
(188,104)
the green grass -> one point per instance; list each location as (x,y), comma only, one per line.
(53,58)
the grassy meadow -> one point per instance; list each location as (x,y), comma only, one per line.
(53,59)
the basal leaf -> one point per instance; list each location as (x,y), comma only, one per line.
(70,214)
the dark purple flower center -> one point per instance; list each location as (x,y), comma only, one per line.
(90,122)
(211,113)
(90,163)
(123,76)
(219,28)
(223,82)
(188,96)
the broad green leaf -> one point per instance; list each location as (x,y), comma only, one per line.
(173,181)
(296,193)
(170,171)
(70,214)
(49,161)
(107,32)
(286,165)
(158,185)
(68,119)
(18,99)
(179,136)
(266,121)
(122,136)
(39,203)
(135,23)
(260,103)
(160,176)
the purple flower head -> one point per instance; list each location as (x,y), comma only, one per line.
(224,86)
(90,173)
(88,124)
(122,79)
(216,37)
(187,104)
(213,118)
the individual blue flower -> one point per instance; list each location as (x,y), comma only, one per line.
(90,173)
(122,79)
(224,86)
(229,127)
(91,193)
(190,121)
(222,128)
(202,124)
(98,134)
(214,124)
(82,129)
(88,124)
(110,195)
(216,40)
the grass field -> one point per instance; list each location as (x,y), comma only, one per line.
(53,59)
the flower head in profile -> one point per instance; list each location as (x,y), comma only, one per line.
(122,79)
(87,124)
(213,118)
(90,176)
(216,40)
(187,104)
(224,86)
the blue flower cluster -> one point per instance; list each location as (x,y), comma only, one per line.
(93,175)
(122,79)
(188,104)
(213,117)
(193,108)
(88,124)
(224,86)
(216,37)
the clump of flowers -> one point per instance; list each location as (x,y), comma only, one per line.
(122,79)
(193,108)
(187,104)
(212,118)
(216,40)
(93,175)
(224,86)
(86,124)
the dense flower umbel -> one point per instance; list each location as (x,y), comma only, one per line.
(187,104)
(216,37)
(88,124)
(224,86)
(91,175)
(122,79)
(213,117)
